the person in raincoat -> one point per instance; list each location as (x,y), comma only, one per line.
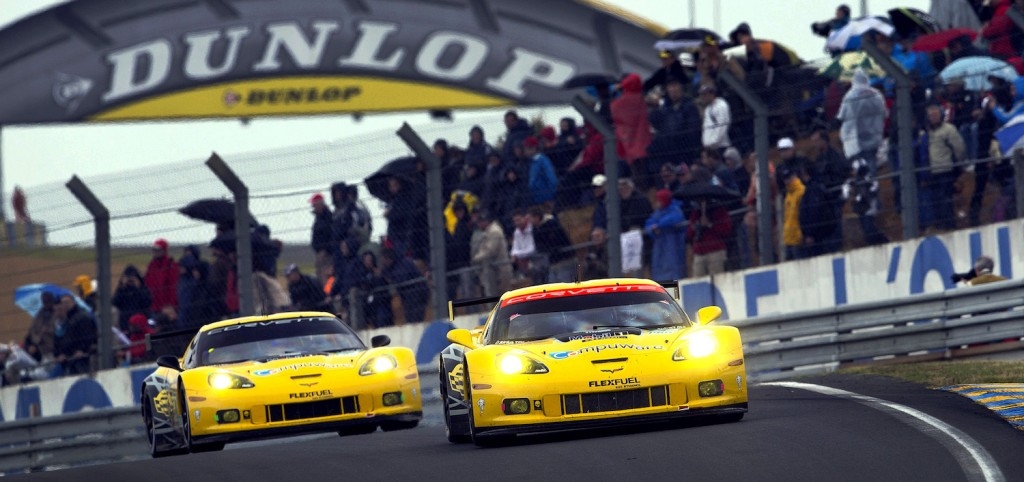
(862,113)
(666,229)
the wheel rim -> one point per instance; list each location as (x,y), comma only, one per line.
(186,424)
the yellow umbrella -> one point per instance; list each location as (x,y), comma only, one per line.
(842,67)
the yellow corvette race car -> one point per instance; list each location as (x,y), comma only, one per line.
(585,355)
(283,374)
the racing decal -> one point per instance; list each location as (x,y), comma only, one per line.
(480,403)
(314,394)
(195,414)
(739,381)
(257,324)
(598,335)
(615,382)
(580,291)
(561,355)
(664,330)
(612,370)
(272,371)
(456,380)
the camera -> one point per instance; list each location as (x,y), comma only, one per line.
(822,28)
(967,276)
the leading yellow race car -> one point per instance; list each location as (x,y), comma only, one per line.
(282,374)
(586,355)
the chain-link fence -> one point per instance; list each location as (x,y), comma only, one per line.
(719,166)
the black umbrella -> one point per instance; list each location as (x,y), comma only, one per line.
(587,80)
(703,191)
(217,211)
(689,38)
(910,22)
(404,168)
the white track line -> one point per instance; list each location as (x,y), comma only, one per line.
(975,461)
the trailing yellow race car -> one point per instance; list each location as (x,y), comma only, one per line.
(586,355)
(283,374)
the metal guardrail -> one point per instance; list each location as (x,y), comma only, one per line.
(47,443)
(777,346)
(788,345)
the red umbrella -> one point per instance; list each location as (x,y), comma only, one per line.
(937,41)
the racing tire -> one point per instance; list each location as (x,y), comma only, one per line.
(481,440)
(453,423)
(731,418)
(358,430)
(186,430)
(151,435)
(392,426)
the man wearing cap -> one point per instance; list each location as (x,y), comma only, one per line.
(599,190)
(677,125)
(162,278)
(671,70)
(717,118)
(321,236)
(790,160)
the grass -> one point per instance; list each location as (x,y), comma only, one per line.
(944,373)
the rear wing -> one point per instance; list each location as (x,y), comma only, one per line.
(486,300)
(672,285)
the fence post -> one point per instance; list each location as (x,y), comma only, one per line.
(101,220)
(1018,178)
(764,180)
(435,218)
(905,135)
(612,203)
(243,231)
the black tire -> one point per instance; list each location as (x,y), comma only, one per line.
(481,440)
(151,435)
(392,426)
(186,430)
(454,435)
(358,430)
(731,418)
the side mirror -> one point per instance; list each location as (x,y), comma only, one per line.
(380,340)
(462,337)
(169,361)
(708,314)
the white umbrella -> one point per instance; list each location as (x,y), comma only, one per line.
(848,37)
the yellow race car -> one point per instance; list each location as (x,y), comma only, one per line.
(585,355)
(283,374)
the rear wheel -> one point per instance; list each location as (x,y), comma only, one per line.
(186,429)
(454,425)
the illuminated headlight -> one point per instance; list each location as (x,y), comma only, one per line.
(224,380)
(379,364)
(697,346)
(518,364)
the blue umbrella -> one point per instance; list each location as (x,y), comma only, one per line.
(975,71)
(30,297)
(1011,135)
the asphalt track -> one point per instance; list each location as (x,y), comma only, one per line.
(832,428)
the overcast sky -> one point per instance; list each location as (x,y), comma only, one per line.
(36,155)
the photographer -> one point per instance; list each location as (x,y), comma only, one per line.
(981,273)
(826,27)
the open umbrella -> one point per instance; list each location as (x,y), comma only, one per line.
(404,168)
(587,80)
(217,211)
(909,22)
(30,297)
(843,67)
(688,38)
(847,39)
(935,42)
(975,71)
(704,191)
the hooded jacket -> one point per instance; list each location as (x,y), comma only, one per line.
(862,113)
(162,281)
(1004,116)
(130,299)
(629,114)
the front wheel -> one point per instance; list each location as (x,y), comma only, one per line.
(481,440)
(455,426)
(152,436)
(186,429)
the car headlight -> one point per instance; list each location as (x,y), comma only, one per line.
(378,364)
(513,364)
(224,381)
(697,346)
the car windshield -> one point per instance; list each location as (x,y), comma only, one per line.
(550,314)
(269,339)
